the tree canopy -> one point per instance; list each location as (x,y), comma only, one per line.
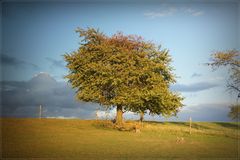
(124,71)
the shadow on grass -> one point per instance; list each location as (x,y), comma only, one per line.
(194,125)
(228,125)
(167,123)
(184,124)
(110,125)
(198,125)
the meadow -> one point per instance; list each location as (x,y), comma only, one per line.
(88,139)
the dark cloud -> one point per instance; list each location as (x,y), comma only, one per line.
(201,112)
(204,112)
(56,63)
(195,87)
(22,99)
(15,62)
(196,75)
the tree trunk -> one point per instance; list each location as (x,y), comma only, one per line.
(119,116)
(141,116)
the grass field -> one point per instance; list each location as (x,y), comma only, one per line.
(85,139)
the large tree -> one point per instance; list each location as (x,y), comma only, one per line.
(229,59)
(123,71)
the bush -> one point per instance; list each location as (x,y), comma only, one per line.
(126,126)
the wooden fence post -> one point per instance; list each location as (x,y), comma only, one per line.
(40,111)
(190,125)
(97,117)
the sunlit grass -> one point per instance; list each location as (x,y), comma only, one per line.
(82,139)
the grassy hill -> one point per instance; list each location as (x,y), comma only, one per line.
(85,139)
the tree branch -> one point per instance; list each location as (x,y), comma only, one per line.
(234,88)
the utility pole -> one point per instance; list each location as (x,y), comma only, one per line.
(40,111)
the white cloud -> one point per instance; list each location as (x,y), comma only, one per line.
(194,87)
(216,78)
(161,13)
(193,12)
(168,11)
(199,13)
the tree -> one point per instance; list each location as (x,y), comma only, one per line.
(231,60)
(234,112)
(122,71)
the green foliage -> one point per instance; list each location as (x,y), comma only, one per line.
(123,71)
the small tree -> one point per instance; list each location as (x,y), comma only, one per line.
(234,112)
(231,60)
(122,71)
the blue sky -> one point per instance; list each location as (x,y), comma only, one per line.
(36,35)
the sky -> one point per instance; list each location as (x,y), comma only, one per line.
(36,35)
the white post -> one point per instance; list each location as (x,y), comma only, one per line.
(107,114)
(40,111)
(97,114)
(190,125)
